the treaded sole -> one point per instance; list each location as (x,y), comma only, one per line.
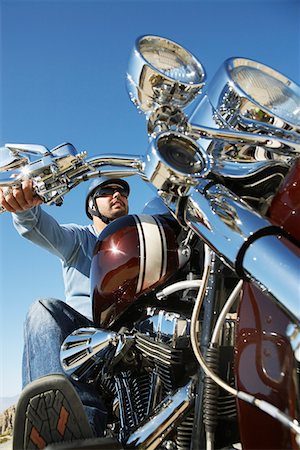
(49,411)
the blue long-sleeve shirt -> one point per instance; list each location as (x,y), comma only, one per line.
(73,244)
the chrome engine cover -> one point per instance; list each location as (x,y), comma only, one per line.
(165,327)
(163,340)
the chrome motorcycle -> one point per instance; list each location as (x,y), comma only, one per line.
(196,302)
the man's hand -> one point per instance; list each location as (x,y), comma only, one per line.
(19,198)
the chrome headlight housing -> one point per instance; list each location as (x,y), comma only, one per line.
(162,72)
(251,94)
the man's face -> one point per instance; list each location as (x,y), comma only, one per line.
(112,201)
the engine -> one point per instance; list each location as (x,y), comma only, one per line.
(163,341)
(144,372)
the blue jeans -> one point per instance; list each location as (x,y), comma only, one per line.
(48,323)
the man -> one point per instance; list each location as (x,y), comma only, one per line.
(49,321)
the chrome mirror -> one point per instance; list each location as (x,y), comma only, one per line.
(14,156)
(30,149)
(162,72)
(10,160)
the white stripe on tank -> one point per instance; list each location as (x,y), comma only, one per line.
(153,250)
(141,253)
(164,247)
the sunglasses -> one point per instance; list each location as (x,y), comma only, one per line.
(105,191)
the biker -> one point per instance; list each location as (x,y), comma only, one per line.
(49,321)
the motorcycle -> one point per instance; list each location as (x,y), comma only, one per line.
(196,302)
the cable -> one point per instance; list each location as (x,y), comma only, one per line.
(226,308)
(180,285)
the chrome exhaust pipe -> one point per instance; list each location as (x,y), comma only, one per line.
(163,420)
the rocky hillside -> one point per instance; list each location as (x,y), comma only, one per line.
(7,418)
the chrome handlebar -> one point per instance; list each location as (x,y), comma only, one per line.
(55,172)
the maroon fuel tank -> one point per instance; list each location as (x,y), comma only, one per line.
(133,255)
(265,364)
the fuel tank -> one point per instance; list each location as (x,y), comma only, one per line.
(133,255)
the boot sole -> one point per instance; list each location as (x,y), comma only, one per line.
(49,411)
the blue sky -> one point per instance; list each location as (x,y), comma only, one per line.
(63,67)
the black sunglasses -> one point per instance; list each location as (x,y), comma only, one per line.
(110,190)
